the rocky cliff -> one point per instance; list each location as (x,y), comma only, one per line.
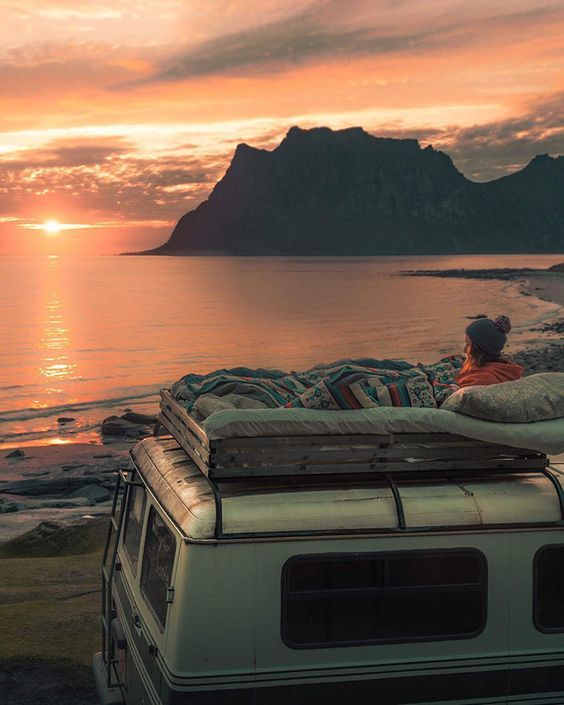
(346,192)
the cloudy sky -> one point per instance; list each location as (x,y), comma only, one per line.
(118,117)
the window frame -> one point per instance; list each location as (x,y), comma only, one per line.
(135,568)
(355,555)
(152,507)
(536,559)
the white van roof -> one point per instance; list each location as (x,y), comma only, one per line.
(205,510)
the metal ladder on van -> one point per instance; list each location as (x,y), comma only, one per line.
(117,515)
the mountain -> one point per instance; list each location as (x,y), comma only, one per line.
(345,192)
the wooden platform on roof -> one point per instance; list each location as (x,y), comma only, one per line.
(271,456)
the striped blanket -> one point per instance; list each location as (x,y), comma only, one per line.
(345,384)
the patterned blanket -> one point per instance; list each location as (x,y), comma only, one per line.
(345,384)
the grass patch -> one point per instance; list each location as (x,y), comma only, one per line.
(50,539)
(50,608)
(50,604)
(41,682)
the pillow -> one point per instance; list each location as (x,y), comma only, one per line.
(208,404)
(536,398)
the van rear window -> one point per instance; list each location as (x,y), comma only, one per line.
(548,589)
(353,599)
(158,559)
(134,524)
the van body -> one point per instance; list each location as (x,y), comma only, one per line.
(317,590)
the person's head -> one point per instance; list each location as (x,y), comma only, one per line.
(485,340)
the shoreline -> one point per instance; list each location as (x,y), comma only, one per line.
(532,280)
(79,422)
(551,283)
(546,353)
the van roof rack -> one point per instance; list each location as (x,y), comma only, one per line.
(342,454)
(207,508)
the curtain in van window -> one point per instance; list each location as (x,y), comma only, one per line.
(377,598)
(158,560)
(134,524)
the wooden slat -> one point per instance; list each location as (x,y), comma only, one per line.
(367,455)
(519,464)
(180,430)
(226,444)
(181,420)
(184,443)
(180,412)
(434,438)
(266,445)
(270,443)
(379,451)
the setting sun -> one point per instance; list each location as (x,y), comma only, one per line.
(52,227)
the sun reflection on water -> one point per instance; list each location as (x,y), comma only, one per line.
(55,337)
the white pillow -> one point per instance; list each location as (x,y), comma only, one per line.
(536,398)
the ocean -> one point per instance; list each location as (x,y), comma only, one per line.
(87,337)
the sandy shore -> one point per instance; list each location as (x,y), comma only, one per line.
(548,286)
(542,283)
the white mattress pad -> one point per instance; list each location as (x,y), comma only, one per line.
(543,436)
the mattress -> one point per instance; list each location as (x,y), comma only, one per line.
(289,441)
(543,436)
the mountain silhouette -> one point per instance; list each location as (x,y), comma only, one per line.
(346,192)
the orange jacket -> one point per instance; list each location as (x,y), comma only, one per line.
(490,373)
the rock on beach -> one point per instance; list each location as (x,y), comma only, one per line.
(92,493)
(57,483)
(549,358)
(16,454)
(61,483)
(129,425)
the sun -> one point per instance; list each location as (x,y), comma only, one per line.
(52,227)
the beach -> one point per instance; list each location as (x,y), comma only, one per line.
(61,484)
(547,285)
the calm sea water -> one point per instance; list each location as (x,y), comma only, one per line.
(89,336)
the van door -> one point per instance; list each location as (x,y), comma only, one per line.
(144,593)
(136,669)
(155,585)
(537,618)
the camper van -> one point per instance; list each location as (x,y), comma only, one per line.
(439,584)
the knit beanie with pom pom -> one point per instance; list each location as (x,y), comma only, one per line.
(490,336)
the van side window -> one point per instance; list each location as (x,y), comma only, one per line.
(158,559)
(134,524)
(353,599)
(548,589)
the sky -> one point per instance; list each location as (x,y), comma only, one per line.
(119,117)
